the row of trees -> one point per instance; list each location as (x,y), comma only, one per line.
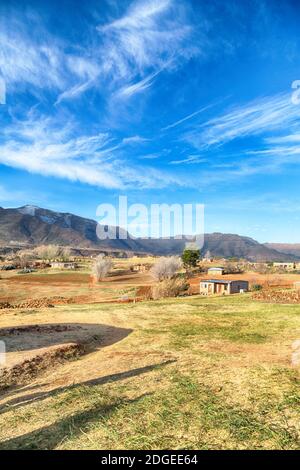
(46,253)
(53,252)
(164,271)
(165,268)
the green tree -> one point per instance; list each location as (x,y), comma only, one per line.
(190,258)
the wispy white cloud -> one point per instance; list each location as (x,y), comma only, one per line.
(189,160)
(33,59)
(142,43)
(43,146)
(254,118)
(284,139)
(251,165)
(187,118)
(128,90)
(135,139)
(274,121)
(122,57)
(74,91)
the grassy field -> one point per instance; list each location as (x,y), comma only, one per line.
(190,373)
(47,283)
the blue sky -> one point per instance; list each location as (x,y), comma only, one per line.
(163,101)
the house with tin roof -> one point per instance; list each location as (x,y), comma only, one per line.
(223,287)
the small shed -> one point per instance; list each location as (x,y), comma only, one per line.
(223,287)
(141,268)
(216,271)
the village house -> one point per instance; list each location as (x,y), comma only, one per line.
(287,266)
(223,287)
(62,265)
(216,271)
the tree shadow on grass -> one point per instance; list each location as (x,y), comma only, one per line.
(36,397)
(49,437)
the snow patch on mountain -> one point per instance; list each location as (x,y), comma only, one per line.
(28,210)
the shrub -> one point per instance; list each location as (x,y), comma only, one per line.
(165,268)
(25,257)
(169,288)
(256,287)
(190,258)
(8,267)
(101,267)
(262,268)
(27,271)
(233,268)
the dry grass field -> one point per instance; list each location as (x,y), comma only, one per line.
(75,285)
(182,373)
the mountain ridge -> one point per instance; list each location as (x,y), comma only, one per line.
(292,249)
(32,225)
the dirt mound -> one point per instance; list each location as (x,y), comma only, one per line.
(5,305)
(27,370)
(58,300)
(30,303)
(35,303)
(278,296)
(46,302)
(38,329)
(42,302)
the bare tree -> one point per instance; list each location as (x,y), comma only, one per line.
(166,268)
(233,267)
(48,252)
(101,267)
(65,254)
(25,257)
(53,252)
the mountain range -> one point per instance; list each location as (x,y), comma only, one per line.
(292,249)
(32,226)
